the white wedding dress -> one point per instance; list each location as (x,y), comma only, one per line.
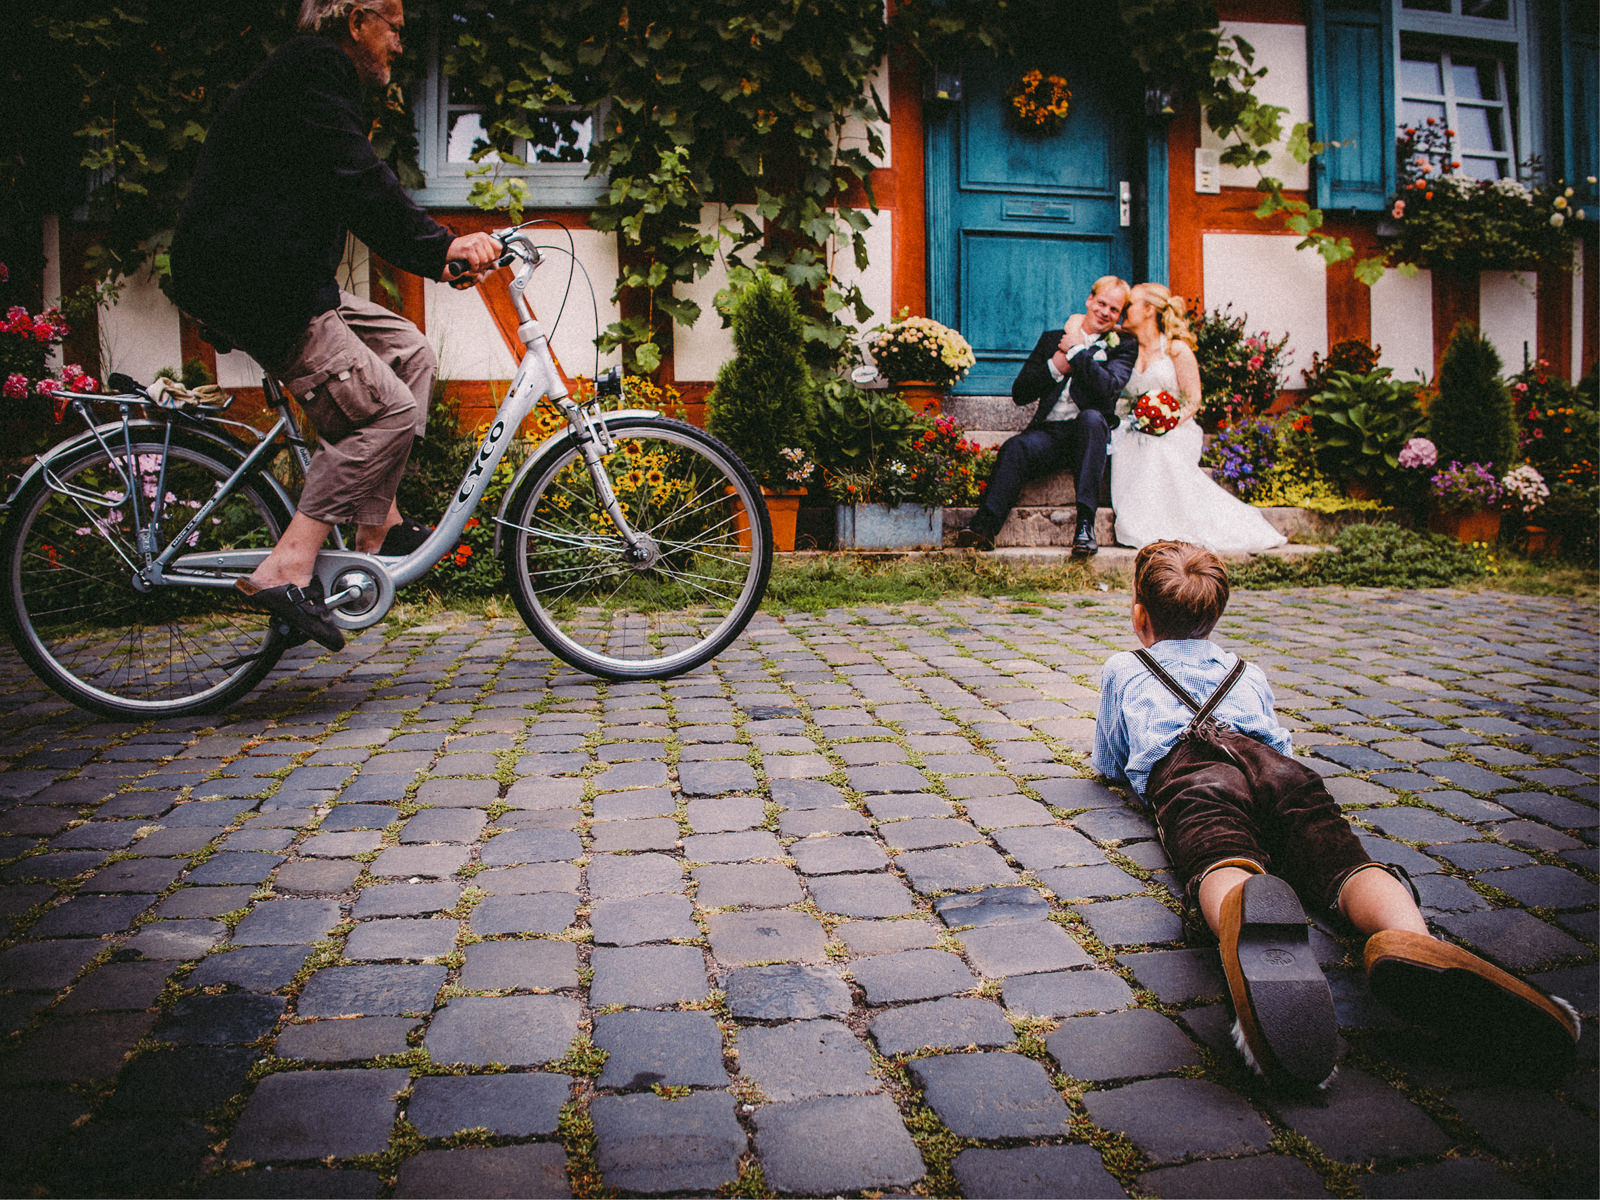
(1158,490)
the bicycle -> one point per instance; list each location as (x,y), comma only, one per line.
(636,546)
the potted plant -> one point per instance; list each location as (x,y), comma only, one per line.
(1465,503)
(1559,427)
(1359,424)
(1471,420)
(893,472)
(1454,222)
(1242,373)
(764,402)
(920,358)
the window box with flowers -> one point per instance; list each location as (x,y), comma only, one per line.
(921,359)
(895,499)
(1445,220)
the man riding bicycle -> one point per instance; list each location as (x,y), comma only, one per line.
(286,172)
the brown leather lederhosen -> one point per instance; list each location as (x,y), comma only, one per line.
(1220,795)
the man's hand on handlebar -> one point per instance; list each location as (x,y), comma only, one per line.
(471,259)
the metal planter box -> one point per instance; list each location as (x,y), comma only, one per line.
(886,527)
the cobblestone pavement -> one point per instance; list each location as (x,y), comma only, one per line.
(844,912)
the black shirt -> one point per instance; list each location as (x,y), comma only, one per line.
(287,169)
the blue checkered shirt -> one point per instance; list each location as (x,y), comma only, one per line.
(1140,720)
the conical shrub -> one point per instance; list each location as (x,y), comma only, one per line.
(1471,419)
(764,401)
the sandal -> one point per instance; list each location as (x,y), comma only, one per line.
(404,538)
(299,608)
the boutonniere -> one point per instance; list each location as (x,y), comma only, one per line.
(1112,340)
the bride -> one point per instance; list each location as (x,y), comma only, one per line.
(1158,490)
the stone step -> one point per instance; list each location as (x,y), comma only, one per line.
(1046,526)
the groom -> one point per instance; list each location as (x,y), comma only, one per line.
(1076,377)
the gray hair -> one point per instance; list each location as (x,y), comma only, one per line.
(323,16)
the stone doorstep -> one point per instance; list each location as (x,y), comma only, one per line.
(1111,560)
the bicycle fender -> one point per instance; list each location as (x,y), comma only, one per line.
(539,452)
(112,431)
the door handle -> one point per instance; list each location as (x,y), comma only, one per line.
(1125,203)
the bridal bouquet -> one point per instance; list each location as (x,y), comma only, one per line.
(1156,413)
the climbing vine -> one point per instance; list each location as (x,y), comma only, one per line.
(726,130)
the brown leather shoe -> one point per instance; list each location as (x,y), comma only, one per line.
(1440,986)
(1285,1025)
(971,539)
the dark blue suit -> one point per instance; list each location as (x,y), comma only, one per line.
(1097,376)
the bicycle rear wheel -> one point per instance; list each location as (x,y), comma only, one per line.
(69,551)
(684,596)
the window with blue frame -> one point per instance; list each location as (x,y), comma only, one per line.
(1514,79)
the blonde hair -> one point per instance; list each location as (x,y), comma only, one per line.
(1105,281)
(1183,588)
(1170,309)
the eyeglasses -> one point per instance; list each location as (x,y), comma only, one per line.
(398,30)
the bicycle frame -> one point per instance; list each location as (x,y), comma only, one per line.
(361,587)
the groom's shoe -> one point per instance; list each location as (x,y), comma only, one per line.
(971,539)
(1083,541)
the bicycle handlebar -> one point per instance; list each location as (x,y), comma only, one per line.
(516,246)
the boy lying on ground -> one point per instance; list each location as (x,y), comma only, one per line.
(1191,729)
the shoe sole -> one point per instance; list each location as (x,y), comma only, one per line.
(1280,995)
(1440,986)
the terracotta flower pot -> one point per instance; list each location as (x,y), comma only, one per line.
(1468,527)
(783,511)
(1541,541)
(924,398)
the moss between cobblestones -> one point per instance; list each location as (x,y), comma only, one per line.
(575,1131)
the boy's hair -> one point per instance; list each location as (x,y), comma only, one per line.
(1183,588)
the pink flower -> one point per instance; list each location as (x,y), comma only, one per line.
(1256,361)
(1419,452)
(47,387)
(1399,210)
(16,387)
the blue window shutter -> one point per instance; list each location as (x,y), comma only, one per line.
(1580,94)
(1352,102)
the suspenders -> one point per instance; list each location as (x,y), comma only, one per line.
(1202,712)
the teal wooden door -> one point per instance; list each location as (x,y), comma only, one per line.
(1019,224)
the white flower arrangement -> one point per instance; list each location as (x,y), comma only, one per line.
(920,348)
(1524,488)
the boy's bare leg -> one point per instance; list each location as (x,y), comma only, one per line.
(1214,889)
(1372,900)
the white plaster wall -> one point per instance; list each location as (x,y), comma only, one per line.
(468,342)
(1508,315)
(698,350)
(1580,294)
(52,276)
(1282,50)
(1402,323)
(1279,289)
(139,333)
(877,281)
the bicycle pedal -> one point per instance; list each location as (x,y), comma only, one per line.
(293,636)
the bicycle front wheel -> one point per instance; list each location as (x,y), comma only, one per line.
(658,609)
(70,551)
